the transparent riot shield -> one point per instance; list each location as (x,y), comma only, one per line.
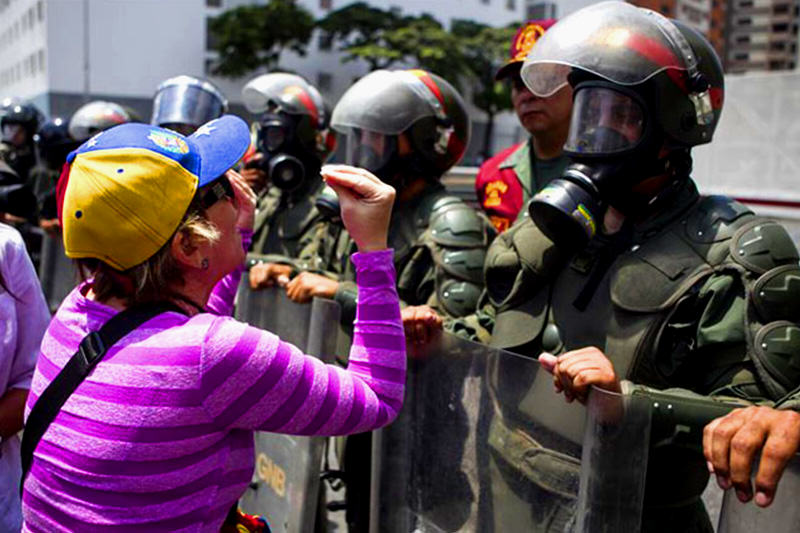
(482,444)
(622,433)
(286,479)
(614,463)
(57,273)
(783,516)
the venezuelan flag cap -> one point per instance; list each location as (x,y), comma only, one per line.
(123,193)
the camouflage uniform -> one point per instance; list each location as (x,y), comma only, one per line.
(285,222)
(701,297)
(439,244)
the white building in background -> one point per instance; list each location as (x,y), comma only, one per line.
(60,53)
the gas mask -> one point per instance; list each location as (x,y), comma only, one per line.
(613,147)
(286,161)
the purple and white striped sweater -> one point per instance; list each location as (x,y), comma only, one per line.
(160,436)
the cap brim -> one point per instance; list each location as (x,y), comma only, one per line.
(508,70)
(221,143)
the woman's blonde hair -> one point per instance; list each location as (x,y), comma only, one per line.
(156,278)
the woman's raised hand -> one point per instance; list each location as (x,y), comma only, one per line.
(366,204)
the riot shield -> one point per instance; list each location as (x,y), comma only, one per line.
(286,478)
(621,433)
(57,272)
(783,516)
(482,444)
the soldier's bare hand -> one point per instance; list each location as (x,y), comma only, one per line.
(264,275)
(421,323)
(306,285)
(366,204)
(51,226)
(731,444)
(575,372)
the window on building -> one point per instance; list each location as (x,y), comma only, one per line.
(40,56)
(211,41)
(511,5)
(741,56)
(745,21)
(780,28)
(324,81)
(746,4)
(325,4)
(214,3)
(40,10)
(781,9)
(484,1)
(741,39)
(540,10)
(325,40)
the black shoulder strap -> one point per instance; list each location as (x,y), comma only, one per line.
(91,350)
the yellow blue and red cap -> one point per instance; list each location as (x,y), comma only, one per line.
(124,192)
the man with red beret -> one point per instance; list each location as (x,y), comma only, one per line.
(507,181)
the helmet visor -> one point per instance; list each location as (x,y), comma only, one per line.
(95,117)
(284,92)
(382,101)
(190,104)
(14,134)
(616,41)
(604,121)
(368,149)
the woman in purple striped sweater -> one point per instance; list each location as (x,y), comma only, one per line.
(159,437)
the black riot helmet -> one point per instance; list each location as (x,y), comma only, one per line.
(292,131)
(184,103)
(94,117)
(646,89)
(19,116)
(54,142)
(419,105)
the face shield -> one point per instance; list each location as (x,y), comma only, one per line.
(187,101)
(14,134)
(383,101)
(370,150)
(284,92)
(604,122)
(615,41)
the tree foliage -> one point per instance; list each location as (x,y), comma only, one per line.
(467,55)
(485,50)
(252,36)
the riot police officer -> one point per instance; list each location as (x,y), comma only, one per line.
(409,127)
(19,121)
(53,144)
(292,139)
(184,103)
(625,271)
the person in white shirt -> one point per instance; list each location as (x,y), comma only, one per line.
(23,320)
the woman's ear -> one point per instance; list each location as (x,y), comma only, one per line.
(185,251)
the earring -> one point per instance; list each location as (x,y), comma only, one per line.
(204,263)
